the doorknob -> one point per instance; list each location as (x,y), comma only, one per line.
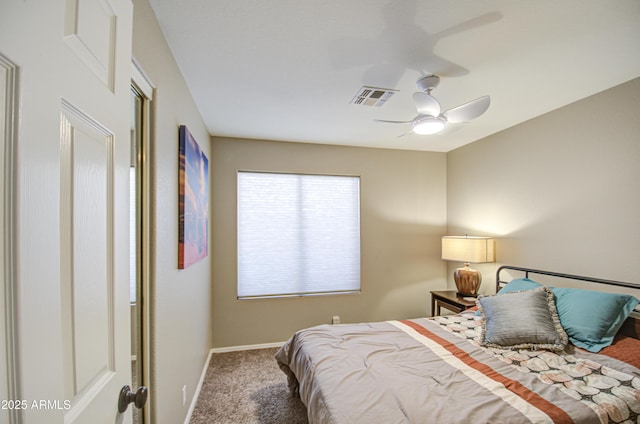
(139,398)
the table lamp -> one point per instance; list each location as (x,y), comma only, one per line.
(468,249)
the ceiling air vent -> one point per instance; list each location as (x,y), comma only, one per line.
(372,96)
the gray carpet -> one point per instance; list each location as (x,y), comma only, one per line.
(246,387)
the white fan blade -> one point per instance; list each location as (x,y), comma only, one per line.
(468,111)
(426,104)
(407,133)
(392,122)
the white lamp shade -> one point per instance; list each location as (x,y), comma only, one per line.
(468,249)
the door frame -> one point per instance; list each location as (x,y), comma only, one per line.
(142,84)
(8,330)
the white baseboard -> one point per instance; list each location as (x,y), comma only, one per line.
(196,394)
(246,347)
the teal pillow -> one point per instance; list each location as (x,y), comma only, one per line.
(519,284)
(590,318)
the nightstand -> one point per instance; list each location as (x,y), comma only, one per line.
(450,300)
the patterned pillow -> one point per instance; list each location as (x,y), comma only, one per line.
(521,320)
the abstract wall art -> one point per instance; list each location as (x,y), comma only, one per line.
(193,201)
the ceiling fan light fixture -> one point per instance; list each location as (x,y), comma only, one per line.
(430,119)
(428,125)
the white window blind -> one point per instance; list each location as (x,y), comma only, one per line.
(297,234)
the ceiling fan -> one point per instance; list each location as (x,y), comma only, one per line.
(430,119)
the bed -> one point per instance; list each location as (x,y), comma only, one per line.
(532,353)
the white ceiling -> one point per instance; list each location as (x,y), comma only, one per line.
(288,69)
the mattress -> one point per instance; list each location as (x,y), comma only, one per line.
(433,370)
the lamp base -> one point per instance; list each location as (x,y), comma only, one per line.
(467,281)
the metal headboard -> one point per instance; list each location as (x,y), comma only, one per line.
(631,326)
(528,271)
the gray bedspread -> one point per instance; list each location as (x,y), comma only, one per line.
(434,371)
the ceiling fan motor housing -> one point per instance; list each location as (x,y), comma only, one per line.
(428,83)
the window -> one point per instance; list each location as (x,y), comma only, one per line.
(298,234)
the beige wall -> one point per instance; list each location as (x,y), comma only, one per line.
(403,216)
(561,192)
(180,299)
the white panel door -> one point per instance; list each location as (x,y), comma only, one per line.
(7,142)
(73,62)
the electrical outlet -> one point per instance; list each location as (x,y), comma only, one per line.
(184,395)
(335,319)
